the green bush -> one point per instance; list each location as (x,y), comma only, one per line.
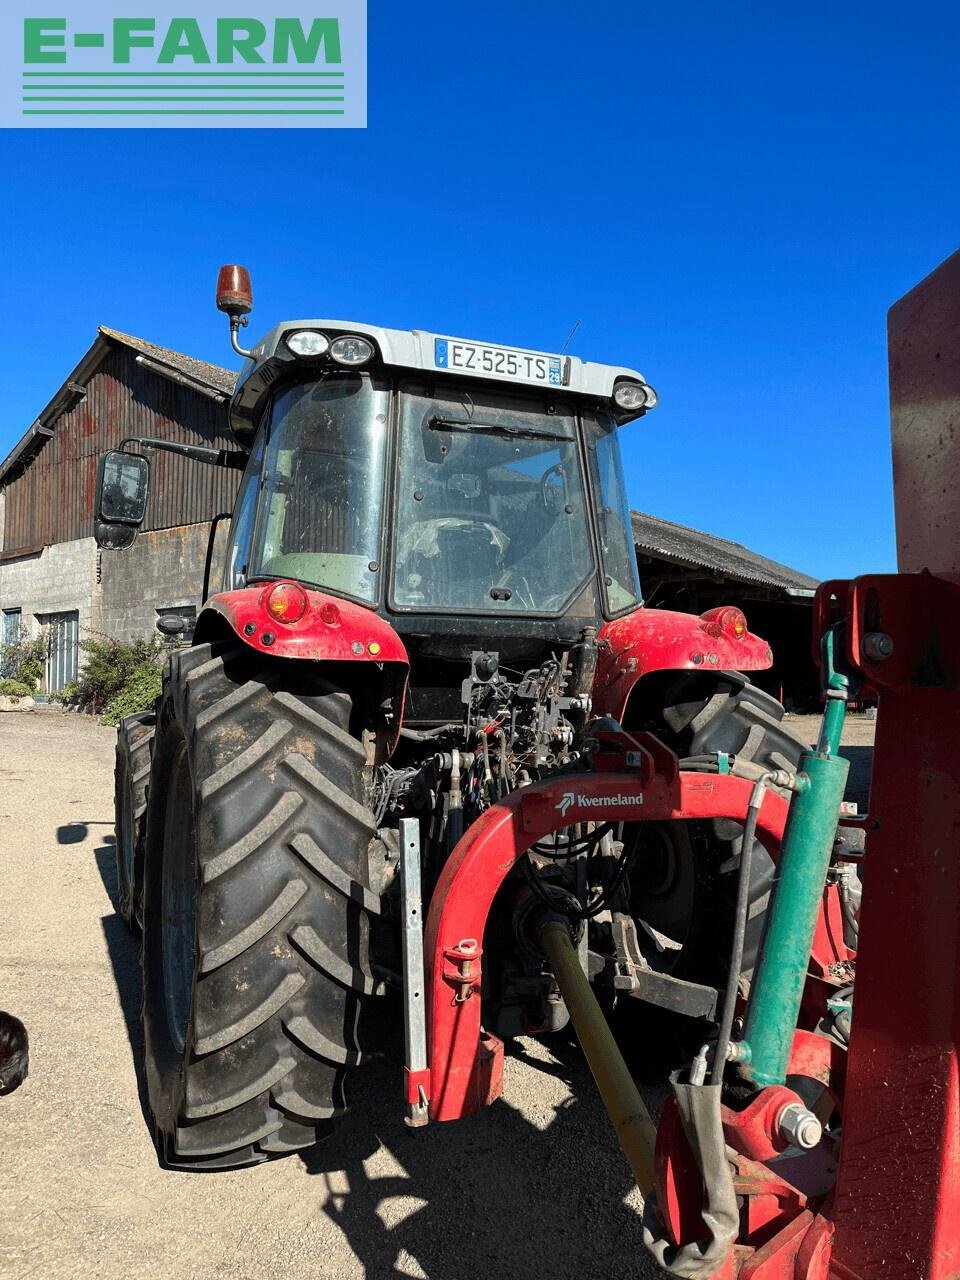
(23,660)
(139,693)
(15,689)
(118,679)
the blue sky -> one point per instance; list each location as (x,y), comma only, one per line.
(728,197)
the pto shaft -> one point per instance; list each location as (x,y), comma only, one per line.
(631,1120)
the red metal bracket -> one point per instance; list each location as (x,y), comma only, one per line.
(416,1086)
(754,1130)
(485,855)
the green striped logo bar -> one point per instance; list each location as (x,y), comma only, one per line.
(96,69)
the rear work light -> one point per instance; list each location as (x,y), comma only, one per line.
(351,349)
(727,621)
(286,602)
(634,396)
(307,342)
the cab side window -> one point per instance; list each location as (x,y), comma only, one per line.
(244,516)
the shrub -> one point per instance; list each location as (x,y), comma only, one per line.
(117,675)
(139,692)
(15,689)
(23,660)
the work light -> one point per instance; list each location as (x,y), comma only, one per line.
(634,395)
(351,349)
(307,342)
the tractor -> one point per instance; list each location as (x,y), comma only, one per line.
(429,604)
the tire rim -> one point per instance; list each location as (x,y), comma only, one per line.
(178,899)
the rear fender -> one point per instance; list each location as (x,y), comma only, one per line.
(331,630)
(659,640)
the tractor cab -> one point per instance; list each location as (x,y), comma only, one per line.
(429,477)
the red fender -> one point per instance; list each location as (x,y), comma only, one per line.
(660,640)
(329,630)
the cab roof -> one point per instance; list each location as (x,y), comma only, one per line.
(440,355)
(418,348)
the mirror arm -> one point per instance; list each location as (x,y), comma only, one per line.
(235,459)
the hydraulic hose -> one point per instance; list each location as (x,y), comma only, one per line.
(631,1120)
(740,926)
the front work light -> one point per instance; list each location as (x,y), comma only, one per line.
(307,342)
(633,396)
(351,349)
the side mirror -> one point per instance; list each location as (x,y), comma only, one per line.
(123,483)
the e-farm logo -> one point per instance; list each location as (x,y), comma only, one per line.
(96,67)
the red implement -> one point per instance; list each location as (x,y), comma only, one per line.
(487,852)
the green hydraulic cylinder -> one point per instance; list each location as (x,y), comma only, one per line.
(777,988)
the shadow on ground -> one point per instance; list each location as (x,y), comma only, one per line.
(123,948)
(500,1193)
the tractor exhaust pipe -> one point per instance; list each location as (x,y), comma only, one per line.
(631,1121)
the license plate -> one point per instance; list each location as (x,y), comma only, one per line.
(497,362)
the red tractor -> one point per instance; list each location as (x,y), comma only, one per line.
(430,602)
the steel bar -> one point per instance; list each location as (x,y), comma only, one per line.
(414,1003)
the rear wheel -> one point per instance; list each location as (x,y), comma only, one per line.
(131,778)
(684,886)
(256,908)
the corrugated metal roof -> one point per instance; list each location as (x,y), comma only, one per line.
(209,375)
(684,546)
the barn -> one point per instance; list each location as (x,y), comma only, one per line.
(54,580)
(52,575)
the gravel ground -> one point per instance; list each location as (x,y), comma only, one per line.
(534,1187)
(856,745)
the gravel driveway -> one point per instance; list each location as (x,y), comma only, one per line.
(535,1187)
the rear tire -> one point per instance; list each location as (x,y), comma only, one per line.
(256,908)
(131,783)
(700,715)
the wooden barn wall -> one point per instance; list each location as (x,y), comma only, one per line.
(52,500)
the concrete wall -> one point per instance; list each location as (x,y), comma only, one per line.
(115,593)
(59,579)
(162,570)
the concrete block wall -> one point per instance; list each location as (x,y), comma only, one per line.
(162,570)
(59,579)
(115,593)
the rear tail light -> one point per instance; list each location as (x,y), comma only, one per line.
(286,602)
(726,621)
